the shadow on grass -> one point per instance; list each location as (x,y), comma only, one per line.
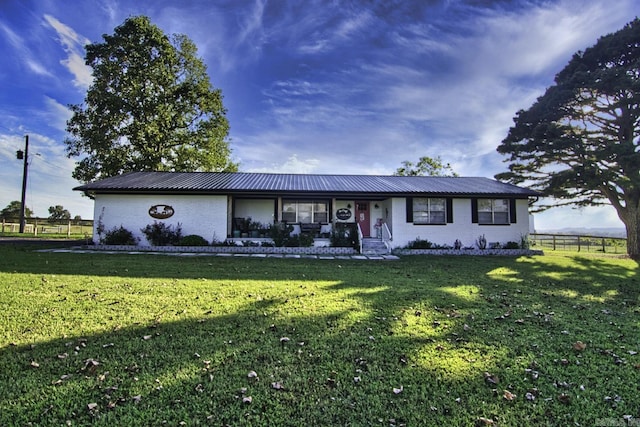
(370,343)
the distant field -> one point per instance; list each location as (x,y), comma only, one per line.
(99,339)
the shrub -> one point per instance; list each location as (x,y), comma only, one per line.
(193,240)
(344,236)
(119,236)
(511,245)
(280,233)
(419,243)
(305,240)
(481,242)
(161,234)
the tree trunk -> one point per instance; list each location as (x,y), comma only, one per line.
(633,242)
(631,221)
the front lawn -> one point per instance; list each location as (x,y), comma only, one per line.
(99,339)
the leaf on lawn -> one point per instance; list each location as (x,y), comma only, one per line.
(357,379)
(63,356)
(284,340)
(252,375)
(92,406)
(482,421)
(90,366)
(199,388)
(136,399)
(507,395)
(34,364)
(147,337)
(277,385)
(491,379)
(247,400)
(564,398)
(398,390)
(579,346)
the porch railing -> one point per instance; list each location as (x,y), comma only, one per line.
(387,237)
(360,238)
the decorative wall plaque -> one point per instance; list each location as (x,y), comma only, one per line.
(161,211)
(343,214)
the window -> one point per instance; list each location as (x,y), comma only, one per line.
(429,211)
(493,211)
(305,212)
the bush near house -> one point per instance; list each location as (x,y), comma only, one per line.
(161,234)
(193,240)
(118,236)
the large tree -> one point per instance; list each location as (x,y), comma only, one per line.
(426,166)
(58,212)
(151,107)
(578,143)
(12,210)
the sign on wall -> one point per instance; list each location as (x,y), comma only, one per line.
(343,214)
(161,211)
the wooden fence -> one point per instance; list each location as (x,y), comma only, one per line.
(38,226)
(566,242)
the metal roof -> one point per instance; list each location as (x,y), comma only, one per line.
(268,183)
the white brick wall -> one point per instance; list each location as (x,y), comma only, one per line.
(205,216)
(462,228)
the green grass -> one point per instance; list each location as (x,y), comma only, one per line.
(153,339)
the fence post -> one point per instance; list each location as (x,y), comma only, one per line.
(35,227)
(69,229)
(578,243)
(554,242)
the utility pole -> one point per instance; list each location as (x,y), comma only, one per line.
(24,181)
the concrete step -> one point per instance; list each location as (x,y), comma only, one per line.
(374,247)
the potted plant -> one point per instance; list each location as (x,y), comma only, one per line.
(254,228)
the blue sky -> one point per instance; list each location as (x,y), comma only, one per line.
(349,87)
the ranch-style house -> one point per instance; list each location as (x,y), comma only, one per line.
(392,209)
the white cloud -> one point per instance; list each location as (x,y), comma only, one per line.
(56,113)
(23,52)
(73,45)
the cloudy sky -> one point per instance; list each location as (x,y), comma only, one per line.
(317,86)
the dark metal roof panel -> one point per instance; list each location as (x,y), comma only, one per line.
(225,182)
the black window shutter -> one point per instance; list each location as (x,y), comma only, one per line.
(409,209)
(512,211)
(449,211)
(474,210)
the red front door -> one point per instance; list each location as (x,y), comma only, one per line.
(362,218)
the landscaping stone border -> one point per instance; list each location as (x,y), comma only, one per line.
(474,252)
(312,250)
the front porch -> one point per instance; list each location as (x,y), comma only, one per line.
(315,222)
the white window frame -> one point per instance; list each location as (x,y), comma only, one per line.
(305,211)
(430,215)
(493,211)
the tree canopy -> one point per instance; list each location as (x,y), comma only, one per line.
(12,210)
(151,107)
(578,143)
(426,166)
(58,212)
